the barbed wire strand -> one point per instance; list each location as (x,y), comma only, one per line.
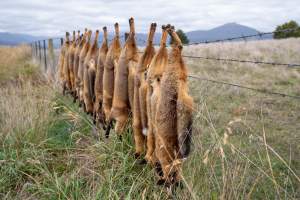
(241,61)
(244,87)
(244,61)
(260,34)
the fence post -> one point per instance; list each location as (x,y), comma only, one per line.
(36,49)
(51,61)
(45,57)
(40,51)
(126,36)
(61,42)
(51,49)
(31,48)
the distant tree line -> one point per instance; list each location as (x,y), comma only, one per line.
(289,25)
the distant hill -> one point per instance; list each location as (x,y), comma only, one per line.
(225,31)
(15,38)
(220,32)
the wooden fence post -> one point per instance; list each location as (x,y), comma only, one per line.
(61,42)
(45,56)
(51,61)
(36,49)
(40,51)
(51,50)
(126,36)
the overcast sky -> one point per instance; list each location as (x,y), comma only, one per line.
(53,17)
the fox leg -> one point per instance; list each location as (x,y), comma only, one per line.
(139,138)
(151,104)
(167,155)
(64,87)
(143,108)
(121,121)
(150,153)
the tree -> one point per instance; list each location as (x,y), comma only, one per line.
(184,39)
(291,25)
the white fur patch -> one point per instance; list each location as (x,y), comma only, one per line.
(145,131)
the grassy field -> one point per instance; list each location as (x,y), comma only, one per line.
(245,144)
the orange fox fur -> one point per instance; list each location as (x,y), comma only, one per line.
(66,69)
(82,56)
(62,60)
(154,75)
(78,49)
(124,81)
(89,74)
(173,117)
(71,62)
(110,66)
(140,120)
(98,110)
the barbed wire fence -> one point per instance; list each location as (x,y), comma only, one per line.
(244,37)
(46,52)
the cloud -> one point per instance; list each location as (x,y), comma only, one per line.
(53,17)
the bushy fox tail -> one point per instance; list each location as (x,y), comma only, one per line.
(184,128)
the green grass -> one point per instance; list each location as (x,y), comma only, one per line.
(68,162)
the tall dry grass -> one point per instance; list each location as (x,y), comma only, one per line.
(25,104)
(246,140)
(23,94)
(14,64)
(245,143)
(260,76)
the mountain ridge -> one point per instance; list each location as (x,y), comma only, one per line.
(227,30)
